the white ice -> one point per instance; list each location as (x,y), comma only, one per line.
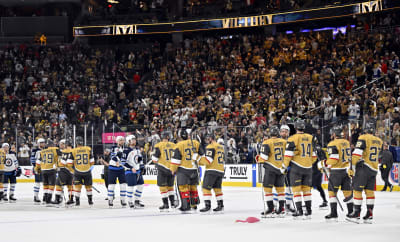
(24,221)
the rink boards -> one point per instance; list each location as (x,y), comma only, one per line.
(235,175)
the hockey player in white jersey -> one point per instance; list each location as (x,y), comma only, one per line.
(35,154)
(116,171)
(133,173)
(11,168)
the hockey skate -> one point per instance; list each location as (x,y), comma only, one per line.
(268,214)
(280,213)
(164,207)
(220,207)
(368,218)
(139,204)
(57,202)
(123,204)
(354,217)
(36,200)
(5,199)
(324,206)
(131,205)
(90,200)
(289,209)
(307,215)
(77,202)
(298,215)
(207,207)
(110,204)
(12,199)
(173,202)
(331,218)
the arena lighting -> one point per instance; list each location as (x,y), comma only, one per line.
(112,1)
(334,29)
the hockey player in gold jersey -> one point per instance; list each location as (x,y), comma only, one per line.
(2,162)
(47,165)
(339,158)
(365,159)
(300,155)
(184,163)
(271,155)
(214,173)
(65,172)
(83,160)
(165,180)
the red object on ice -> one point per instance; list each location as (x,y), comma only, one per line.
(249,220)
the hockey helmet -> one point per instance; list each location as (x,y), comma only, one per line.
(274,131)
(165,134)
(79,140)
(284,126)
(183,134)
(337,130)
(300,125)
(120,138)
(128,138)
(41,140)
(50,143)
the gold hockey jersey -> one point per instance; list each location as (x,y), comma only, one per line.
(66,160)
(299,150)
(183,154)
(82,158)
(272,152)
(48,158)
(339,154)
(2,160)
(214,158)
(163,152)
(368,148)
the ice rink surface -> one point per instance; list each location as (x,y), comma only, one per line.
(24,221)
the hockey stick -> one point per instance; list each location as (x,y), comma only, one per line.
(94,188)
(290,190)
(333,188)
(193,148)
(260,180)
(177,193)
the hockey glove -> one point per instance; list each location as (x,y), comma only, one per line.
(350,172)
(143,169)
(195,157)
(18,172)
(284,169)
(37,170)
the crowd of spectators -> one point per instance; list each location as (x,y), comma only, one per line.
(246,83)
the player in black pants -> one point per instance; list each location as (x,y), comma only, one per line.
(317,178)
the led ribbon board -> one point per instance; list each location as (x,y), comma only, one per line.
(239,22)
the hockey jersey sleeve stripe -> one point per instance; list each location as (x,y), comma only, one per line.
(64,162)
(263,156)
(175,161)
(334,156)
(154,158)
(209,159)
(70,161)
(289,153)
(358,152)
